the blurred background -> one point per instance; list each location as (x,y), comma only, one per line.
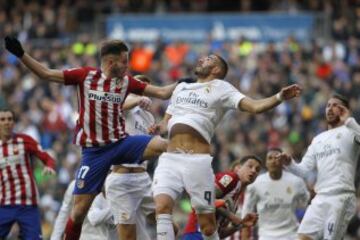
(268,44)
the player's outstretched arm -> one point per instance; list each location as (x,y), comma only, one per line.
(159,92)
(14,46)
(262,105)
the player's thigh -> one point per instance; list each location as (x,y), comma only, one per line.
(312,224)
(199,183)
(124,195)
(168,181)
(341,211)
(304,237)
(155,147)
(30,223)
(7,219)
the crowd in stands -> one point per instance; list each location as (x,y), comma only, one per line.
(47,111)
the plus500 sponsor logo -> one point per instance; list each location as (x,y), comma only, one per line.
(104,97)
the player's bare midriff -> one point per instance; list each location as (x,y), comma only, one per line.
(186,139)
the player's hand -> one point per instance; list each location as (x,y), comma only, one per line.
(48,171)
(344,113)
(154,129)
(144,103)
(14,46)
(290,92)
(285,158)
(249,220)
(186,80)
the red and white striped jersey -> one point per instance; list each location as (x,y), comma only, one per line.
(100,99)
(17,183)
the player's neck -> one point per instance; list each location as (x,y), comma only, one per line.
(335,125)
(276,175)
(4,137)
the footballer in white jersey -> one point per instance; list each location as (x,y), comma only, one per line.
(334,155)
(275,195)
(191,118)
(98,224)
(128,186)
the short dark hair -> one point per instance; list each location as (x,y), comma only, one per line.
(244,159)
(113,47)
(223,65)
(5,109)
(344,100)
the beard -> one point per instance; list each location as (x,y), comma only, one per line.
(333,120)
(202,72)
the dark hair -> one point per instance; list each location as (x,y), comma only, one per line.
(223,65)
(244,159)
(143,78)
(113,47)
(344,100)
(275,149)
(5,109)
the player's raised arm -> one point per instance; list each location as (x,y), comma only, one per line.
(258,106)
(14,46)
(159,92)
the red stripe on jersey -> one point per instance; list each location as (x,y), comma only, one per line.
(2,187)
(22,184)
(81,102)
(32,183)
(12,185)
(92,109)
(104,113)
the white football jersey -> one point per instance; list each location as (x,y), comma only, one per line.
(275,201)
(334,155)
(202,105)
(137,122)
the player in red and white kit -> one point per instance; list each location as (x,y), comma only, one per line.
(229,186)
(100,128)
(18,191)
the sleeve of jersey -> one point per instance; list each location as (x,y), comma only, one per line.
(307,164)
(135,86)
(303,194)
(35,149)
(226,182)
(355,127)
(231,97)
(250,201)
(75,76)
(64,213)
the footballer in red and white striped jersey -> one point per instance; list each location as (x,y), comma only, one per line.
(18,192)
(17,184)
(100,101)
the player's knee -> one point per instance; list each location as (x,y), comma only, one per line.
(208,229)
(163,209)
(127,231)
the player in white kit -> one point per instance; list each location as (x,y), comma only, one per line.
(275,195)
(128,187)
(191,118)
(98,224)
(334,155)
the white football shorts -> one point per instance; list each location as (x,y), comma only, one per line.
(328,216)
(129,194)
(193,173)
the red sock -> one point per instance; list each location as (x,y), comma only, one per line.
(72,230)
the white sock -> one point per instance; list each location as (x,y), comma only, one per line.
(214,236)
(164,227)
